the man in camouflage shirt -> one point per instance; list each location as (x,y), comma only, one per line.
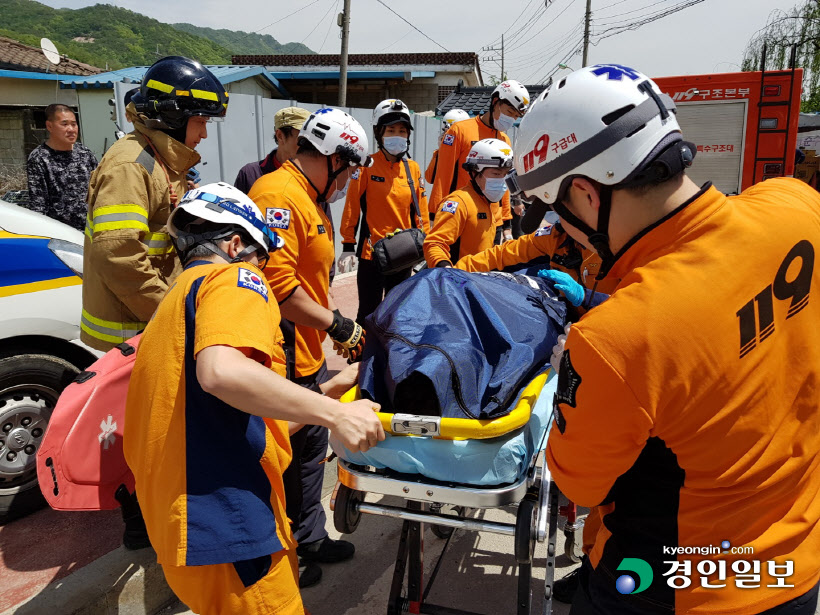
(59,170)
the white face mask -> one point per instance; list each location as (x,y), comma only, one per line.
(395,145)
(338,194)
(494,188)
(504,122)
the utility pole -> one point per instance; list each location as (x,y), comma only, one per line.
(344,22)
(503,76)
(495,58)
(587,19)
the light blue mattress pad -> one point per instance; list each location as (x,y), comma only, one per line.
(496,461)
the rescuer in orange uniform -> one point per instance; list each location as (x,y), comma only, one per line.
(464,224)
(687,404)
(383,197)
(450,118)
(509,101)
(211,365)
(331,146)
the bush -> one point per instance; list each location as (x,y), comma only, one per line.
(12,177)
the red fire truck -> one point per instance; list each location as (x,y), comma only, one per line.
(744,124)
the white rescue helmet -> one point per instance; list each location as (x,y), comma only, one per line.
(221,204)
(453,116)
(391,111)
(489,154)
(604,122)
(512,92)
(332,131)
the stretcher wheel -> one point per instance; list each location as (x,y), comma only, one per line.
(525,531)
(440,531)
(346,515)
(570,544)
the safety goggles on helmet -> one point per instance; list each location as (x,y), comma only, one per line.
(232,211)
(271,238)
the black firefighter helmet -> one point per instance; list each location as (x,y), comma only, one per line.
(176,88)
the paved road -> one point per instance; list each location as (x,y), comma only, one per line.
(478,572)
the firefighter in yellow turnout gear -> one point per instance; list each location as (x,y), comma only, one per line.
(129,260)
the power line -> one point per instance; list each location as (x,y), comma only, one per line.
(653,5)
(512,24)
(557,43)
(519,45)
(638,18)
(327,32)
(548,61)
(530,22)
(283,18)
(408,33)
(330,8)
(412,26)
(575,50)
(613,31)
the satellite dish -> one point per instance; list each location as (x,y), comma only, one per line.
(50,51)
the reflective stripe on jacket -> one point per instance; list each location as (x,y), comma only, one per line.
(128,258)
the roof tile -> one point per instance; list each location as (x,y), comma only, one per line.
(15,55)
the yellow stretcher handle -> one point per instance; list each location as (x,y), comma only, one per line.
(473,429)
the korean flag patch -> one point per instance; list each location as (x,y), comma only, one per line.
(449,139)
(450,206)
(546,230)
(253,281)
(276,217)
(355,174)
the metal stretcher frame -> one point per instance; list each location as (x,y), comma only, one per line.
(536,521)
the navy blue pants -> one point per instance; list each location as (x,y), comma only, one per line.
(304,476)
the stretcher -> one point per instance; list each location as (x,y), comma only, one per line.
(429,472)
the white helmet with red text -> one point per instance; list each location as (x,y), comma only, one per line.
(512,92)
(332,131)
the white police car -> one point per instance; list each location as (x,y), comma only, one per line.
(41,262)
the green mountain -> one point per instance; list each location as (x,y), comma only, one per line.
(104,34)
(248,43)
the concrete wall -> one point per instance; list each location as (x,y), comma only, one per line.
(419,94)
(34,93)
(12,137)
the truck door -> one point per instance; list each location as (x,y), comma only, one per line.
(718,129)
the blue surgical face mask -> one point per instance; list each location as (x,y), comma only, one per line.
(504,122)
(395,145)
(494,188)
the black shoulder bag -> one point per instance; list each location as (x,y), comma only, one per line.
(403,248)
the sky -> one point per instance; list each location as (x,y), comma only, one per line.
(707,37)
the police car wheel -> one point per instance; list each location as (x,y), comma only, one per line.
(29,387)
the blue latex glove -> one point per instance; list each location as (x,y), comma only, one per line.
(564,282)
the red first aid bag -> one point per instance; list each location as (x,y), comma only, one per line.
(81,463)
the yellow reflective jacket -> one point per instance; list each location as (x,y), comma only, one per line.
(128,258)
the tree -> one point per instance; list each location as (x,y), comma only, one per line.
(798,27)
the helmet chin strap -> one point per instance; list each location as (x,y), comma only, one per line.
(598,238)
(188,241)
(331,179)
(493,103)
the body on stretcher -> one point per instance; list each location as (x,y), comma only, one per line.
(429,472)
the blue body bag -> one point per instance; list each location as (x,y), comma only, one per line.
(456,344)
